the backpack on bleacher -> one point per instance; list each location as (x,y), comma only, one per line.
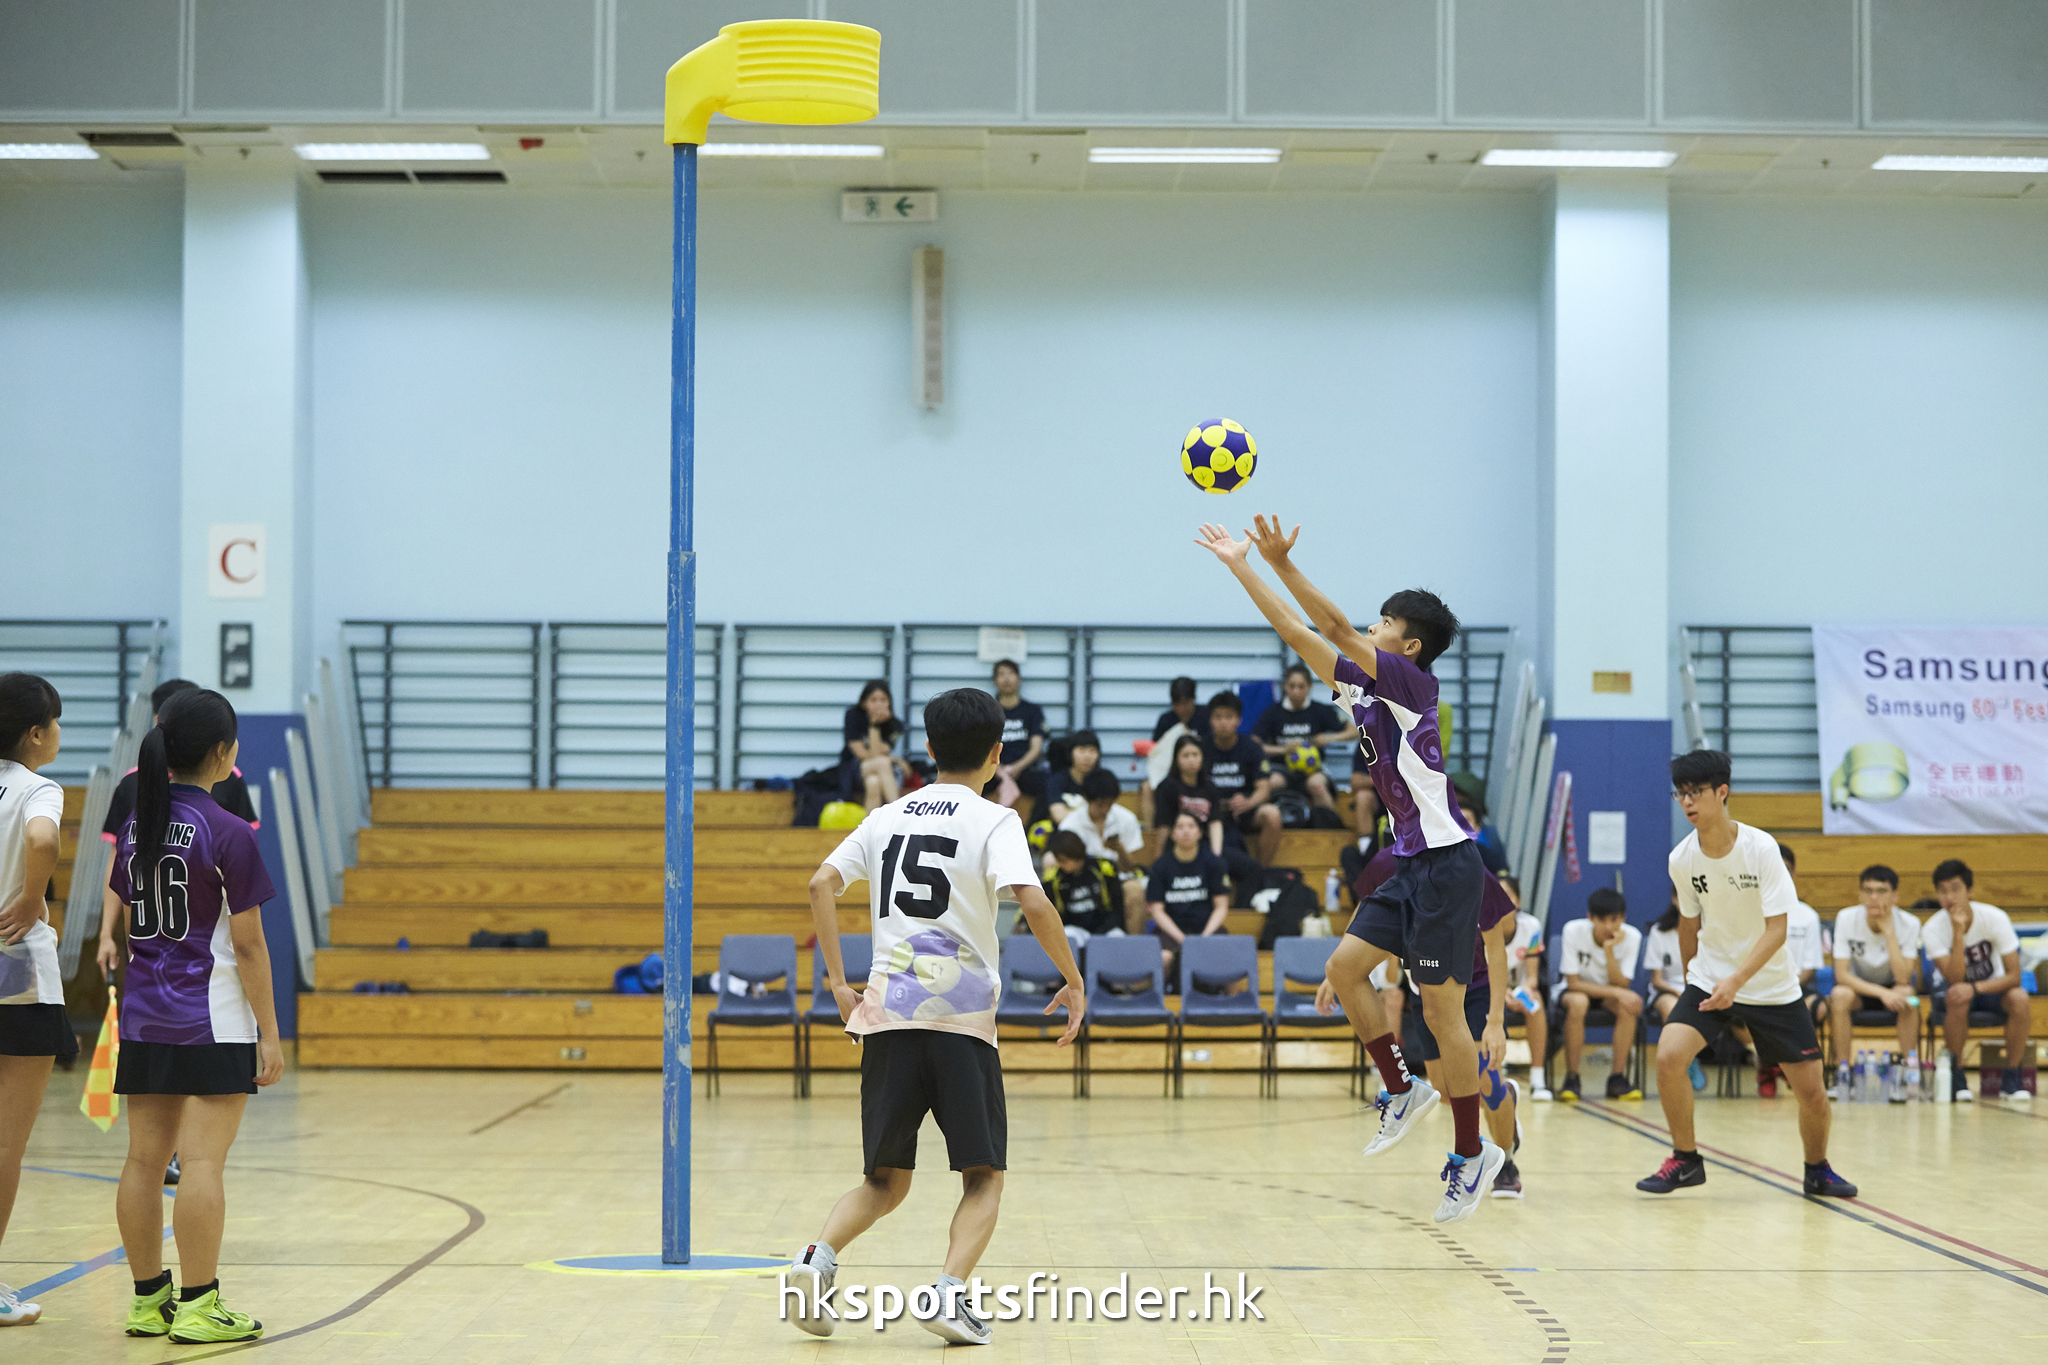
(1294,904)
(810,794)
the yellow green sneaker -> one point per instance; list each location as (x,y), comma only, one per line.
(149,1315)
(206,1319)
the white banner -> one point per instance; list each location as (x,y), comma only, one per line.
(1933,729)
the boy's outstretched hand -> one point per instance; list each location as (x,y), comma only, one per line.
(1273,547)
(1076,1002)
(1217,541)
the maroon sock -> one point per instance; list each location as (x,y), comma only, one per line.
(1465,1120)
(1386,1055)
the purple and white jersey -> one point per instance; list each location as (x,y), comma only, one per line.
(182,983)
(1396,718)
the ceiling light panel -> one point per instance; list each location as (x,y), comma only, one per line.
(47,151)
(393,151)
(787,149)
(1565,158)
(1184,156)
(2009,164)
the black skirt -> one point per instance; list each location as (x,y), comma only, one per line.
(36,1031)
(186,1069)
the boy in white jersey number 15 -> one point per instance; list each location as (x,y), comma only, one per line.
(937,862)
(1427,913)
(1733,898)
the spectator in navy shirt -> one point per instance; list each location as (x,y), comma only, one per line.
(1066,788)
(1023,738)
(1181,692)
(1186,893)
(1239,769)
(1295,720)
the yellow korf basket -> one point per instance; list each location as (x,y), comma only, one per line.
(776,71)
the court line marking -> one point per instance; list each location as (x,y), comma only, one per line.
(521,1108)
(79,1270)
(476,1222)
(1728,1161)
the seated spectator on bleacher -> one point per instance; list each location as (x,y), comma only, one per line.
(1064,788)
(1804,940)
(1664,959)
(1471,793)
(1109,830)
(1183,712)
(1239,769)
(1186,894)
(1877,955)
(1598,961)
(1023,739)
(1976,959)
(870,770)
(1085,890)
(1293,721)
(1190,790)
(1525,962)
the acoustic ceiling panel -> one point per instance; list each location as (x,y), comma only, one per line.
(288,57)
(90,56)
(1132,59)
(648,36)
(944,56)
(1760,61)
(1346,60)
(1959,63)
(1549,61)
(484,59)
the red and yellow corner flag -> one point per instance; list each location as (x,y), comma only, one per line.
(100,1103)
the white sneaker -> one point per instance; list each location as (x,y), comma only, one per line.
(2017,1097)
(15,1313)
(1965,1096)
(1398,1114)
(1541,1094)
(815,1271)
(956,1323)
(1467,1182)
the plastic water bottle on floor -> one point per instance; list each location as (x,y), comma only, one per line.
(1909,1079)
(1863,1076)
(1944,1077)
(1331,881)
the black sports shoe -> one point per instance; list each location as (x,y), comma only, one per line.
(1674,1174)
(1822,1180)
(1619,1088)
(171,1172)
(1569,1091)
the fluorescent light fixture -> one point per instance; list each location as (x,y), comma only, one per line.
(1544,156)
(393,151)
(47,151)
(2035,164)
(1184,156)
(838,149)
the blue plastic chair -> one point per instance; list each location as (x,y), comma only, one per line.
(856,954)
(1302,962)
(1024,960)
(1124,962)
(757,959)
(1222,960)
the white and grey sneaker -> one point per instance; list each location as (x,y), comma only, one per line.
(814,1269)
(15,1313)
(955,1322)
(1540,1093)
(1398,1114)
(1467,1181)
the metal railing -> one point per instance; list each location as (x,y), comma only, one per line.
(791,690)
(607,693)
(939,658)
(443,702)
(95,667)
(1754,686)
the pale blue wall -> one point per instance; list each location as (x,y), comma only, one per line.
(89,319)
(1857,424)
(491,403)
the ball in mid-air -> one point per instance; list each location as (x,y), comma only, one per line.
(1304,759)
(1218,455)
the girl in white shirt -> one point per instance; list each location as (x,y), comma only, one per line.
(33,1029)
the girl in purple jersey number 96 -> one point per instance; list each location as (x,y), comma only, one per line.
(198,1026)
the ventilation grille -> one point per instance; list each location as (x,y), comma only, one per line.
(132,139)
(405,178)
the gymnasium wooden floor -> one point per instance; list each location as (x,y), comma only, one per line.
(409,1216)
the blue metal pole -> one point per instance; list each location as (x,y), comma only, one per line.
(678,929)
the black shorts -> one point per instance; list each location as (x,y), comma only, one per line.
(907,1072)
(1030,782)
(186,1069)
(1248,823)
(1419,1044)
(1782,1033)
(36,1031)
(1427,913)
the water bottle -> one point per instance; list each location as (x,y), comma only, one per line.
(1903,1069)
(1331,881)
(1944,1078)
(1863,1076)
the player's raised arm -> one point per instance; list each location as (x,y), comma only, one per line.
(1277,550)
(1315,651)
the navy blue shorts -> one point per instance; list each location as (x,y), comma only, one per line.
(1427,913)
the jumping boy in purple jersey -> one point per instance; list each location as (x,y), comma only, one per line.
(198,1026)
(1427,913)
